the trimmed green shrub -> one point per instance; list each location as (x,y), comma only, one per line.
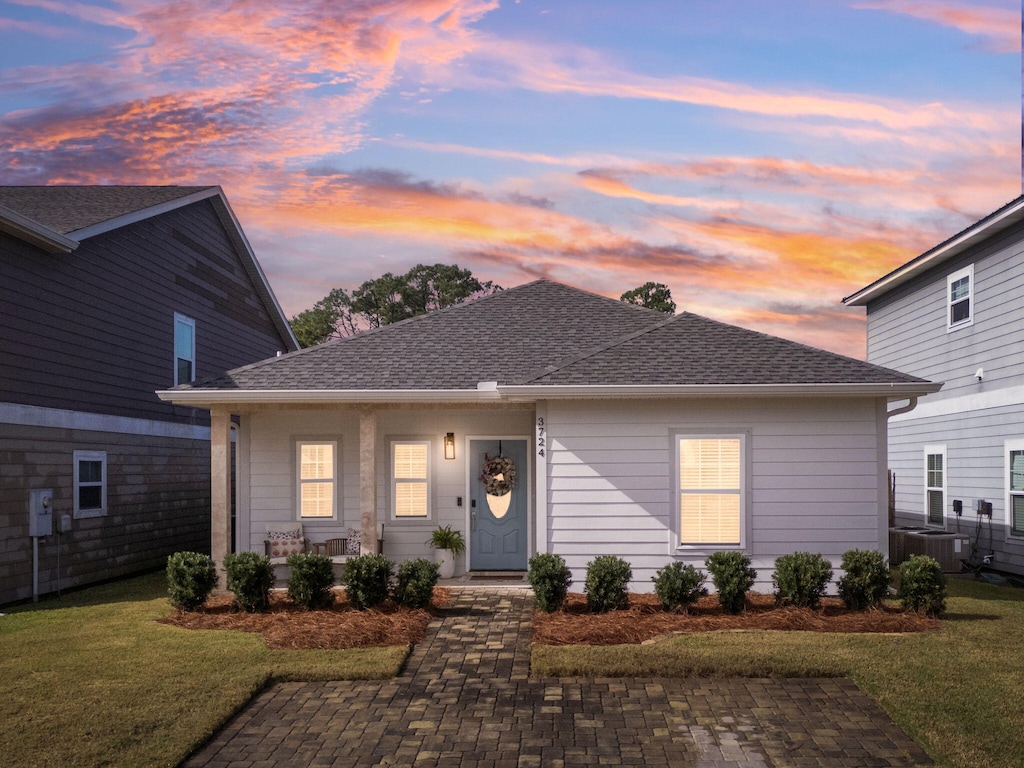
(607,577)
(310,584)
(679,586)
(922,585)
(191,577)
(801,578)
(865,582)
(550,578)
(416,581)
(366,580)
(250,577)
(733,578)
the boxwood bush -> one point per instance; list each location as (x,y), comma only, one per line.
(801,579)
(922,585)
(415,583)
(250,577)
(310,583)
(865,583)
(191,577)
(679,586)
(550,578)
(733,578)
(607,577)
(366,580)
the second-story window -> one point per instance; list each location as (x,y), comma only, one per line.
(960,298)
(184,349)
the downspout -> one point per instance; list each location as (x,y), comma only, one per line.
(911,405)
(890,482)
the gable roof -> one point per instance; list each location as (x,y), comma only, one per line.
(58,218)
(541,339)
(997,221)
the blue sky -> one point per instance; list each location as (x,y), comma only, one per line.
(763,159)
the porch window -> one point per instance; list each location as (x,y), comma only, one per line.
(935,484)
(410,479)
(711,491)
(90,483)
(316,474)
(1015,461)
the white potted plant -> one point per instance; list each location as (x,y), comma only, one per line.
(448,545)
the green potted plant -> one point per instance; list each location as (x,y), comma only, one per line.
(448,545)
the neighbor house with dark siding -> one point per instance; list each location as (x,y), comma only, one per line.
(547,419)
(107,294)
(956,314)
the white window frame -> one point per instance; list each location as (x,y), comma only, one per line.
(935,450)
(960,274)
(335,480)
(1008,446)
(693,548)
(180,318)
(78,457)
(395,481)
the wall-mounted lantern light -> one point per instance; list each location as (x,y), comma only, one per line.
(449,445)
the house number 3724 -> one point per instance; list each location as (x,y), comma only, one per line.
(541,439)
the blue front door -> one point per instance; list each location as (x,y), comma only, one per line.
(498,527)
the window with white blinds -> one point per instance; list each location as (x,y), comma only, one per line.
(410,478)
(316,474)
(935,484)
(1015,467)
(710,491)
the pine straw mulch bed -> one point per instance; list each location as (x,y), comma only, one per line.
(286,626)
(645,619)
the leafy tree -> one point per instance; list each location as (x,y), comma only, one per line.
(387,299)
(651,295)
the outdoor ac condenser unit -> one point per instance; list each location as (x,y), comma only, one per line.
(897,542)
(948,548)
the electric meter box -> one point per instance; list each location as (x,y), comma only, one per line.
(40,512)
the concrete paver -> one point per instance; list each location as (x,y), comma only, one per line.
(465,700)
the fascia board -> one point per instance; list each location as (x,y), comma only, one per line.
(577,392)
(202,397)
(143,213)
(997,223)
(34,233)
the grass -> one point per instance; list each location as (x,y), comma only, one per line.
(91,680)
(956,691)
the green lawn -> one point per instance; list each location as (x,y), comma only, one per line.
(91,680)
(957,692)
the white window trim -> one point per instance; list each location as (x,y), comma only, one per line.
(967,272)
(1010,445)
(336,480)
(933,450)
(100,456)
(393,481)
(180,318)
(745,461)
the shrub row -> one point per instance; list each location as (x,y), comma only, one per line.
(369,580)
(800,579)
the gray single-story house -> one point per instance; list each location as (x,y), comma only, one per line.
(548,419)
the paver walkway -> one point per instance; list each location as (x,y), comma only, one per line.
(466,700)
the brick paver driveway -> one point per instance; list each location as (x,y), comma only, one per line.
(466,700)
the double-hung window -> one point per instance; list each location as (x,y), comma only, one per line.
(317,479)
(1015,486)
(711,491)
(935,484)
(410,479)
(90,483)
(184,349)
(960,298)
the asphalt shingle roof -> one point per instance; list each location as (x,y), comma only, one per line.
(546,333)
(69,208)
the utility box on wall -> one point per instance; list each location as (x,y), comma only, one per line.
(40,512)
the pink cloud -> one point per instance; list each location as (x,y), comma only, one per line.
(999,26)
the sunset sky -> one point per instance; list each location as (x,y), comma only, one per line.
(762,158)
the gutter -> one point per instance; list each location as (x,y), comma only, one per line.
(207,397)
(34,233)
(892,390)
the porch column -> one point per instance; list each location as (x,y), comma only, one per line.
(220,489)
(368,479)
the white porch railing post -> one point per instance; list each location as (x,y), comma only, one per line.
(220,490)
(368,479)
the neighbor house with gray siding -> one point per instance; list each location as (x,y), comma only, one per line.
(107,294)
(547,419)
(955,314)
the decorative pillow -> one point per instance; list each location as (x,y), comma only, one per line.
(286,547)
(352,542)
(292,533)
